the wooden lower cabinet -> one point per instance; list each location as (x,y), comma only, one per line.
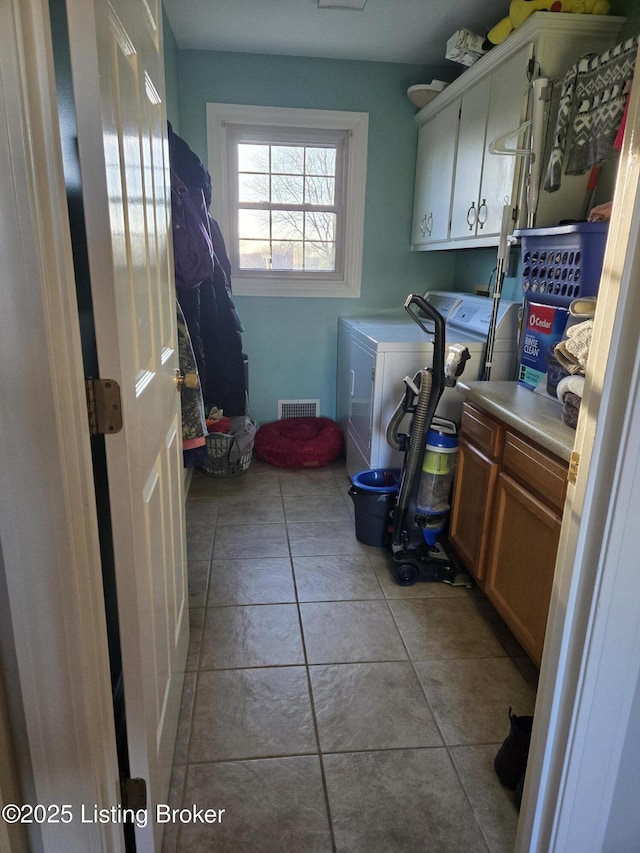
(505,521)
(476,475)
(522,562)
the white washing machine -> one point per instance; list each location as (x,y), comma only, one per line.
(376,353)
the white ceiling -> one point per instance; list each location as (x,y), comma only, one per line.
(413,31)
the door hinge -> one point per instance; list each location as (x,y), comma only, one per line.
(104,406)
(574,463)
(134,794)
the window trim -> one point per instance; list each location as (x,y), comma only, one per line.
(246,283)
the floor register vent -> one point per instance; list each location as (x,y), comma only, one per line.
(298,409)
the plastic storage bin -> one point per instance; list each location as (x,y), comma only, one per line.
(434,490)
(373,493)
(560,264)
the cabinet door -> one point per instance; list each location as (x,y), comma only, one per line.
(420,232)
(507,111)
(485,182)
(437,140)
(470,155)
(471,507)
(522,563)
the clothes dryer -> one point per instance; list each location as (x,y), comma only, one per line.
(376,353)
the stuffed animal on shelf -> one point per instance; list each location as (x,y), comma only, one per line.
(519,11)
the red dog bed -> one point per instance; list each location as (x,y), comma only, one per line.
(299,442)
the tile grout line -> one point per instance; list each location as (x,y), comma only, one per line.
(196,680)
(311,701)
(198,670)
(441,733)
(450,747)
(351,751)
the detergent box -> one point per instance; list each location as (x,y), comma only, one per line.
(543,327)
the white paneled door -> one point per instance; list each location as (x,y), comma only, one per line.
(118,79)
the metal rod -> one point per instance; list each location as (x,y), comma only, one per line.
(537,145)
(503,255)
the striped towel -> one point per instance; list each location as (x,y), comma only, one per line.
(592,103)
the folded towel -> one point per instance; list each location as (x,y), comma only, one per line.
(600,213)
(570,385)
(579,341)
(584,307)
(571,409)
(573,351)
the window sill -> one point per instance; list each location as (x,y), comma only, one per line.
(246,286)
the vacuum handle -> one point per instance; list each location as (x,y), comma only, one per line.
(438,331)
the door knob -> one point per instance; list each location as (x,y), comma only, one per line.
(185,380)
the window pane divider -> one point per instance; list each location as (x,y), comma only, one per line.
(301,208)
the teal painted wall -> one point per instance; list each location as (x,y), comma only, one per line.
(477,268)
(291,343)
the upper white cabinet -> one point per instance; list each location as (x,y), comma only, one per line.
(507,110)
(484,182)
(461,187)
(434,176)
(468,211)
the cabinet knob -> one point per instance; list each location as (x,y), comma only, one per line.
(482,218)
(472,216)
(423,225)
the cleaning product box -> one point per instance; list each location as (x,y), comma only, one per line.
(543,327)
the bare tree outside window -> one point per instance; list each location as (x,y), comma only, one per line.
(287,212)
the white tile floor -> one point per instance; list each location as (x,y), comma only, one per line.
(325,708)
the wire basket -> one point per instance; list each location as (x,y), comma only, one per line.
(223,461)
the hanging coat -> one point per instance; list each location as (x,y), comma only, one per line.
(211,316)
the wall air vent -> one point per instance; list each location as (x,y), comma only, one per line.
(298,409)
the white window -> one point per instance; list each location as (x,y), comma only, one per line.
(288,190)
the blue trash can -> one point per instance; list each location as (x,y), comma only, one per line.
(373,493)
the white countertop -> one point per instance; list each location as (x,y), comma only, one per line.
(537,417)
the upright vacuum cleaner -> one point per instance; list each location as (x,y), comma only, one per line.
(422,507)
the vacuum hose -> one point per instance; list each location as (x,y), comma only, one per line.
(416,442)
(392,435)
(392,427)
